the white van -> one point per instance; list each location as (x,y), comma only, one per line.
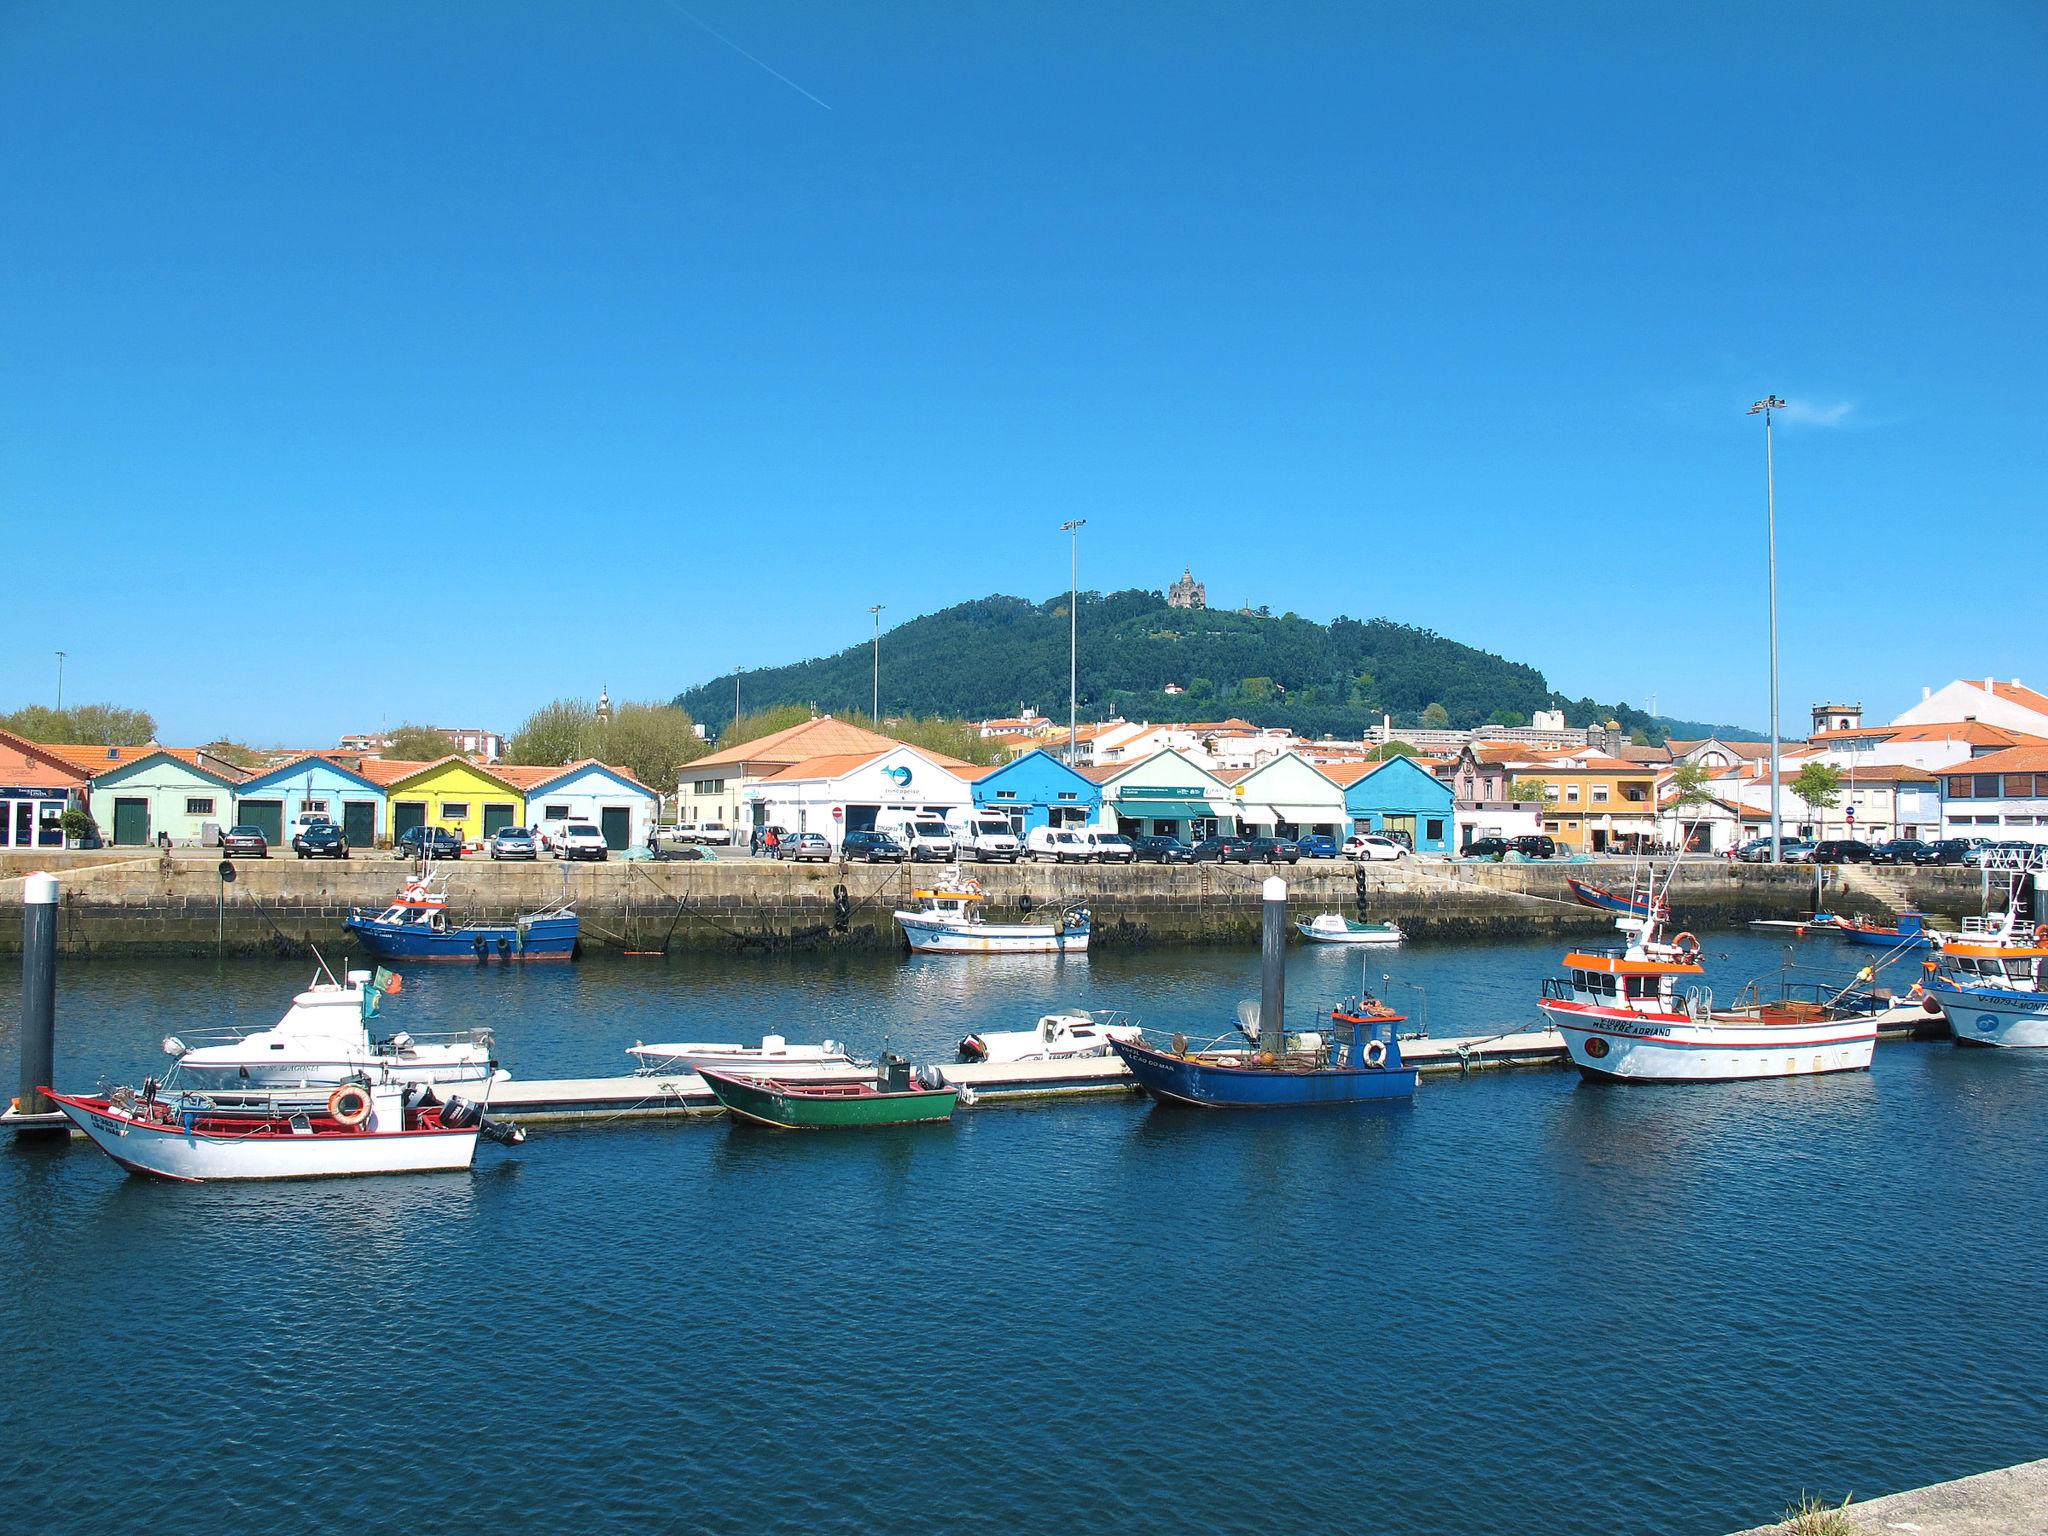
(984,834)
(1056,844)
(923,834)
(1108,846)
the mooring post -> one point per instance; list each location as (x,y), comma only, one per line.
(38,991)
(1273,969)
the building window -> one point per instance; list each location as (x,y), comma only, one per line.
(1006,794)
(1571,794)
(1433,830)
(2019,786)
(316,807)
(1069,794)
(199,805)
(1987,786)
(1959,787)
(1599,794)
(710,786)
(554,813)
(455,810)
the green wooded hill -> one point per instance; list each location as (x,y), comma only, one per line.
(991,656)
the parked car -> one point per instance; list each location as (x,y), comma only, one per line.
(1536,845)
(1222,850)
(581,840)
(1318,845)
(1276,850)
(1758,850)
(1056,844)
(1373,846)
(713,833)
(1984,850)
(427,842)
(320,840)
(1946,850)
(671,834)
(1841,850)
(515,843)
(875,847)
(799,847)
(983,835)
(1495,848)
(1161,850)
(1795,850)
(1107,847)
(1897,850)
(245,840)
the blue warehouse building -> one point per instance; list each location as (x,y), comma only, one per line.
(1038,790)
(1398,795)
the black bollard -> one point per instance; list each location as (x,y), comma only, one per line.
(38,992)
(1273,969)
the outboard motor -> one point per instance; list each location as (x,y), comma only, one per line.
(458,1114)
(503,1132)
(973,1048)
(930,1078)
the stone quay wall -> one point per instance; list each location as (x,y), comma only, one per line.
(123,901)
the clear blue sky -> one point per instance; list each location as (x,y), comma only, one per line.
(391,361)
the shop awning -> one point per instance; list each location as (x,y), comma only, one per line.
(1164,810)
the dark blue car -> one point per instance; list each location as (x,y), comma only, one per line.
(427,842)
(1317,846)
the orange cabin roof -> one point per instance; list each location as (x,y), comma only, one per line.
(1615,965)
(1996,951)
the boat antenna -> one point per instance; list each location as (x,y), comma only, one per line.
(332,980)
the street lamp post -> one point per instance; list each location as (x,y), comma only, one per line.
(60,682)
(1766,405)
(875,698)
(1073,530)
(736,671)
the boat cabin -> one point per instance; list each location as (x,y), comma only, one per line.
(1640,980)
(957,905)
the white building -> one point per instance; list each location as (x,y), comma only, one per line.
(845,792)
(2010,704)
(2002,797)
(718,787)
(610,799)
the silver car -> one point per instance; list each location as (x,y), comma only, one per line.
(799,846)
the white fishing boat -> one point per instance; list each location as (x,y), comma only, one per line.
(1336,928)
(948,921)
(773,1057)
(386,1129)
(1992,978)
(1623,1017)
(323,1041)
(1055,1037)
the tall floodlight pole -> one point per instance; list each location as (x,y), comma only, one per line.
(1766,405)
(60,682)
(875,699)
(1073,530)
(736,671)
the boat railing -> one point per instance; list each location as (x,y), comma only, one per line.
(1699,1002)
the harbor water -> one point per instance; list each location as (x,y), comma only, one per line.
(1520,1303)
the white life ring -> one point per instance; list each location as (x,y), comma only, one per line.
(349,1104)
(1375,1053)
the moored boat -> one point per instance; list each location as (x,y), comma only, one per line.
(415,927)
(386,1129)
(1336,928)
(1357,1061)
(948,921)
(1992,978)
(773,1057)
(1056,1037)
(892,1096)
(1622,1017)
(1636,904)
(1911,932)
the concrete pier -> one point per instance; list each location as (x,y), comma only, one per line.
(2012,1501)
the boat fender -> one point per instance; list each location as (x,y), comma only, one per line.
(349,1105)
(1025,904)
(1375,1053)
(842,909)
(480,944)
(1930,1005)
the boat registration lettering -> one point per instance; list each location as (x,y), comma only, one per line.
(116,1127)
(1632,1027)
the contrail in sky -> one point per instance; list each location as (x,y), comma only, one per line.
(703,25)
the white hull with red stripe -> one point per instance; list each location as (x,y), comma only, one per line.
(215,1149)
(1643,1046)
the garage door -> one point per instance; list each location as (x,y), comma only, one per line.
(617,824)
(131,822)
(359,823)
(266,816)
(497,817)
(406,815)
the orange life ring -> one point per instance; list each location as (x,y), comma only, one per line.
(1686,941)
(349,1104)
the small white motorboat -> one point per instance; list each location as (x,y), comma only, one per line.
(1336,928)
(773,1057)
(385,1129)
(949,922)
(323,1041)
(1056,1037)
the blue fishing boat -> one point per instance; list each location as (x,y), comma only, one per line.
(1912,932)
(1357,1061)
(415,927)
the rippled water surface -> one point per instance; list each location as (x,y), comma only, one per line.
(1521,1304)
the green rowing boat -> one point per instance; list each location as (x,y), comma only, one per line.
(817,1106)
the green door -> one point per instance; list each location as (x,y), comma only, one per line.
(266,816)
(497,817)
(406,815)
(131,822)
(359,823)
(617,824)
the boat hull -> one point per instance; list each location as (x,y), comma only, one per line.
(1602,900)
(936,938)
(1676,1048)
(541,938)
(1981,1016)
(789,1107)
(196,1157)
(1207,1083)
(1881,938)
